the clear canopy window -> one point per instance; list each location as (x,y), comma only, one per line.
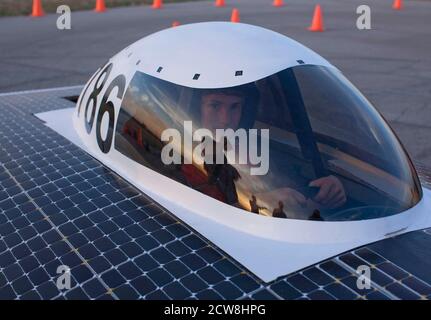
(332,157)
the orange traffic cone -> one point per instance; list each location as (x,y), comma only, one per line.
(235,15)
(277,3)
(175,24)
(219,3)
(157,4)
(100,6)
(37,9)
(397,5)
(317,23)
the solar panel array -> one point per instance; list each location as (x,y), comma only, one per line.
(59,206)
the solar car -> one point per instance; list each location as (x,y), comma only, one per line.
(337,189)
(337,176)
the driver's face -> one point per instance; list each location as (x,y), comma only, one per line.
(221,111)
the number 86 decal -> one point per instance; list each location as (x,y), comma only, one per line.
(105,106)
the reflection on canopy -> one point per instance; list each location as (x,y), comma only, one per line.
(320,126)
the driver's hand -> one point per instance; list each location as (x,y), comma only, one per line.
(331,194)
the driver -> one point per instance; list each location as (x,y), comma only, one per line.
(226,108)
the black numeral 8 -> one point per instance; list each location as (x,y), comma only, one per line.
(93,97)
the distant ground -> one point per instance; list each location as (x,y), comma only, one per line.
(24,7)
